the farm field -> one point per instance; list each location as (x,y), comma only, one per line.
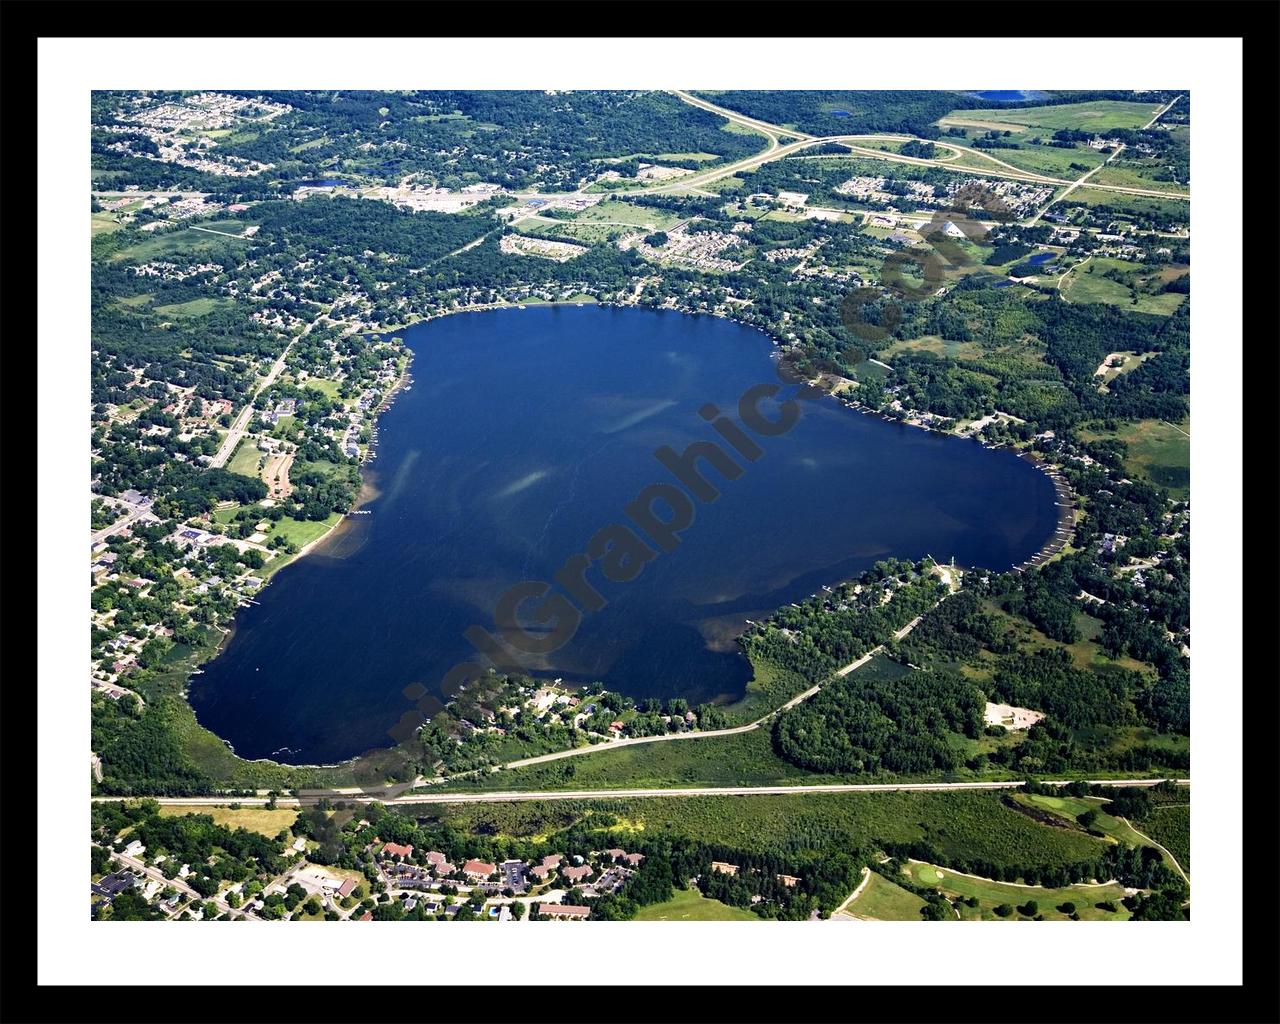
(691,905)
(1158,451)
(991,894)
(1093,115)
(881,900)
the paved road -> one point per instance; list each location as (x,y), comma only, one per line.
(136,512)
(775,151)
(246,414)
(617,794)
(141,868)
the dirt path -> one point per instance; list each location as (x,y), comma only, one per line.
(840,910)
(1171,857)
(278,467)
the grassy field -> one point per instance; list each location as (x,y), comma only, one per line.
(196,307)
(1114,828)
(626,213)
(1136,174)
(1170,826)
(246,458)
(968,824)
(1158,451)
(1048,160)
(691,905)
(881,900)
(1174,210)
(304,531)
(991,894)
(186,241)
(1139,288)
(699,158)
(104,222)
(936,345)
(255,819)
(329,388)
(1094,115)
(745,759)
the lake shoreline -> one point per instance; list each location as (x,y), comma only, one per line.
(369,477)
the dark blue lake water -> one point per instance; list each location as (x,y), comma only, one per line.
(523,434)
(1009,95)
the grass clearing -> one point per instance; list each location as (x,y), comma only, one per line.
(1159,452)
(1093,115)
(691,905)
(193,308)
(881,900)
(1135,286)
(256,819)
(621,212)
(744,759)
(186,242)
(246,459)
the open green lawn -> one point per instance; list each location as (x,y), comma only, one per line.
(991,894)
(691,905)
(195,307)
(881,900)
(329,388)
(246,458)
(304,531)
(1093,115)
(1158,451)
